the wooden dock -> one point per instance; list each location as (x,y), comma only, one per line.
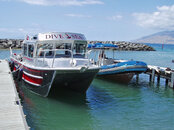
(160,72)
(11,113)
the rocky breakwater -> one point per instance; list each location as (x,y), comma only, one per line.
(122,45)
(127,46)
(13,43)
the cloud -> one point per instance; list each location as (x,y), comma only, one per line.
(62,2)
(19,32)
(115,17)
(162,18)
(78,15)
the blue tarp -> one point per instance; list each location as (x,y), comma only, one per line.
(124,64)
(102,45)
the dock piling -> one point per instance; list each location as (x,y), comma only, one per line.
(160,72)
(167,82)
(172,79)
(150,78)
(137,78)
(158,79)
(153,76)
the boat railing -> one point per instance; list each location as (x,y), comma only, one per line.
(53,55)
(40,60)
(88,56)
(15,56)
(11,52)
(56,55)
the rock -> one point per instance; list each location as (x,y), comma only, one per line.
(13,43)
(122,45)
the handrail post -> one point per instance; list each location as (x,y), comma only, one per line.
(71,57)
(44,57)
(54,57)
(11,52)
(88,53)
(88,60)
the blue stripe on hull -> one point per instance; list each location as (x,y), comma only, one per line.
(129,70)
(123,67)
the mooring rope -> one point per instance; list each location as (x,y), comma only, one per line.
(20,67)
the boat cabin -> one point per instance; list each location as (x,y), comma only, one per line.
(58,45)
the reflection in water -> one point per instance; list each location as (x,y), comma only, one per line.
(106,105)
(68,110)
(139,107)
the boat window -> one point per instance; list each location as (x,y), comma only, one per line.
(79,49)
(25,49)
(63,50)
(30,50)
(45,49)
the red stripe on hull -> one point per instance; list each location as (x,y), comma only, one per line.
(27,58)
(32,79)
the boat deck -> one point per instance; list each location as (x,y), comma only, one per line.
(11,113)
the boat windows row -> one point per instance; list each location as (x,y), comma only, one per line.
(50,50)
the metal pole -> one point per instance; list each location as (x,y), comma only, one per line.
(54,58)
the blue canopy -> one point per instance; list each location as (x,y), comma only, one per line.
(102,45)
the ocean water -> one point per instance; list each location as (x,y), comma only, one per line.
(107,105)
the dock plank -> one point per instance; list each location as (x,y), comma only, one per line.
(11,114)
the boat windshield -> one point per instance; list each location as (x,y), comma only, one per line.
(62,49)
(44,49)
(50,50)
(79,49)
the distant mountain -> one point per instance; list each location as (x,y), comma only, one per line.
(160,37)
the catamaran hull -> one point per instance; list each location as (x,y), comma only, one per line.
(43,81)
(53,82)
(74,80)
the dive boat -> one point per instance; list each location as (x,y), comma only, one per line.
(121,71)
(52,60)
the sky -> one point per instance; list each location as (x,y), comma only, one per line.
(103,20)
